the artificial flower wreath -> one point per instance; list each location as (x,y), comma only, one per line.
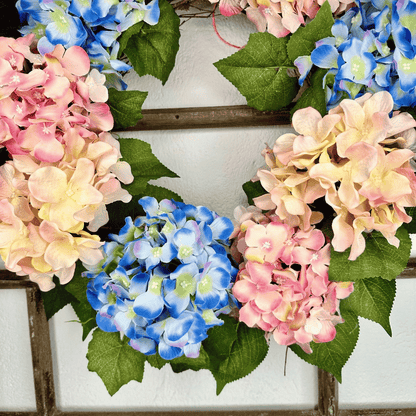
(181,284)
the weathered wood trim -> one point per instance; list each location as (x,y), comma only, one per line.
(41,353)
(208,118)
(327,394)
(378,412)
(200,413)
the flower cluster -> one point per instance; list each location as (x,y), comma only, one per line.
(283,281)
(279,17)
(164,278)
(95,25)
(372,49)
(65,165)
(356,157)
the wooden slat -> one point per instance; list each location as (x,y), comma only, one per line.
(410,270)
(378,412)
(17,413)
(327,394)
(41,353)
(209,117)
(200,413)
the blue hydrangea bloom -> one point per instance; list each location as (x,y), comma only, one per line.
(95,25)
(165,278)
(373,48)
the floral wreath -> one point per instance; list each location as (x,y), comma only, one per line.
(326,231)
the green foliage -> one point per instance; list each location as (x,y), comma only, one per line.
(114,360)
(55,299)
(332,356)
(302,42)
(152,50)
(411,227)
(259,72)
(379,259)
(373,299)
(127,34)
(253,190)
(238,358)
(126,107)
(77,287)
(230,352)
(314,96)
(183,363)
(156,361)
(144,164)
(160,193)
(220,340)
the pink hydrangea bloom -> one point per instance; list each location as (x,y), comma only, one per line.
(284,287)
(357,157)
(65,165)
(282,17)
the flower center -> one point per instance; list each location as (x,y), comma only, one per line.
(157,252)
(266,245)
(205,285)
(185,285)
(185,251)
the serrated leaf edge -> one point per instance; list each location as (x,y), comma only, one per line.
(349,356)
(240,378)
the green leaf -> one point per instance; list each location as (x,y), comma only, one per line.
(253,190)
(55,299)
(259,72)
(153,50)
(314,96)
(126,107)
(159,192)
(144,164)
(332,356)
(379,259)
(411,227)
(235,350)
(77,287)
(127,34)
(85,313)
(183,363)
(302,42)
(373,299)
(156,361)
(114,360)
(220,340)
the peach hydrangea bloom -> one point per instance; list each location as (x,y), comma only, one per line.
(65,166)
(357,157)
(284,287)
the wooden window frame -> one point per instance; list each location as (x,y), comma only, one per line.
(174,119)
